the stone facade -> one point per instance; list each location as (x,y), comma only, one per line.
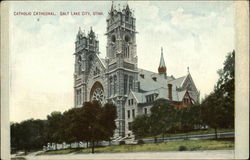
(117,79)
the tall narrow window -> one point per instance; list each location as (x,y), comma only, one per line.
(129,125)
(125,84)
(130,83)
(115,83)
(127,51)
(145,110)
(80,96)
(110,85)
(79,68)
(133,113)
(128,113)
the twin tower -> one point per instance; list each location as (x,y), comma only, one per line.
(110,79)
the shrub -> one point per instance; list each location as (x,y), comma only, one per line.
(121,142)
(182,148)
(140,141)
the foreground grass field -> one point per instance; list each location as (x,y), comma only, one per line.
(188,145)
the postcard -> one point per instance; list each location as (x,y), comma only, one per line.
(124,80)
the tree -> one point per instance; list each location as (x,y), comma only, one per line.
(140,126)
(225,88)
(55,130)
(100,122)
(107,120)
(27,135)
(163,117)
(190,116)
(218,107)
(213,113)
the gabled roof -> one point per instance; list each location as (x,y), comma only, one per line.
(147,83)
(181,95)
(138,96)
(101,60)
(178,81)
(160,93)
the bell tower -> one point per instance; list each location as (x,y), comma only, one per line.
(121,35)
(86,46)
(121,60)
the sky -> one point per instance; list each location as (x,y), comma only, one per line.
(193,34)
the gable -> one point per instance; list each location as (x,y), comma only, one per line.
(188,84)
(131,96)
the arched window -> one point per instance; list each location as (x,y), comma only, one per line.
(115,83)
(125,83)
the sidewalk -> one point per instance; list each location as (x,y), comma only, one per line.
(211,154)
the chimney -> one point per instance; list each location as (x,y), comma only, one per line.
(170,92)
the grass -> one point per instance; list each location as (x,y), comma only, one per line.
(190,145)
(18,158)
(62,151)
(207,131)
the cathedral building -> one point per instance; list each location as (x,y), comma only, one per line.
(117,78)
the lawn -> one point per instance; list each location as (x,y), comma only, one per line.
(18,158)
(189,145)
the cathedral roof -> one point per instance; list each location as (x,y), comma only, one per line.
(147,82)
(155,83)
(178,81)
(160,93)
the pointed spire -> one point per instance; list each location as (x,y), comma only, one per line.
(112,6)
(79,31)
(127,7)
(188,70)
(162,62)
(162,67)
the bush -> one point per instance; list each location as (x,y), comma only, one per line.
(140,141)
(121,142)
(182,148)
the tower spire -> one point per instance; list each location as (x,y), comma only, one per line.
(79,31)
(162,67)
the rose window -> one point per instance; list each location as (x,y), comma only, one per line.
(97,93)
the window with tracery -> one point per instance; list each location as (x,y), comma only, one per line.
(97,93)
(126,52)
